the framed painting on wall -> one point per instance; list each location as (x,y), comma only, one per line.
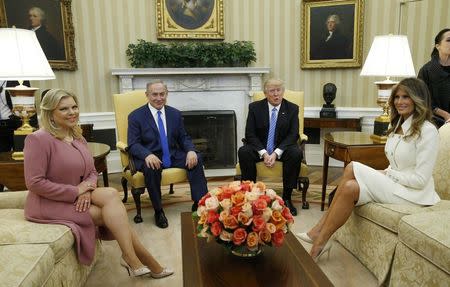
(190,19)
(332,34)
(52,22)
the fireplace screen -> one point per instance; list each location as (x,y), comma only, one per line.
(214,136)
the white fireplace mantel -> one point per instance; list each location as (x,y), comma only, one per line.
(201,88)
(132,79)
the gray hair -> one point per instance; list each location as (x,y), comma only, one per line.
(334,18)
(39,11)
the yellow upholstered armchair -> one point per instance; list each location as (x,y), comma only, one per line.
(124,104)
(296,97)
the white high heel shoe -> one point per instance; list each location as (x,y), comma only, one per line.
(325,249)
(164,273)
(136,272)
(304,236)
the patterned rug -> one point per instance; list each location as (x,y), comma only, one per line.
(182,193)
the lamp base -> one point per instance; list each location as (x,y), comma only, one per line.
(17,155)
(380,128)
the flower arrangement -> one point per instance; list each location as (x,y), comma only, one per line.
(243,216)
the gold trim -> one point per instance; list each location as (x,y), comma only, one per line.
(358,24)
(378,139)
(17,155)
(170,28)
(70,62)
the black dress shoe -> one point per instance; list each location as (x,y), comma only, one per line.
(194,206)
(291,206)
(160,219)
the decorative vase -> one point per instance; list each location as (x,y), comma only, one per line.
(242,251)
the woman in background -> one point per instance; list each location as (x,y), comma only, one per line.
(62,183)
(411,149)
(436,74)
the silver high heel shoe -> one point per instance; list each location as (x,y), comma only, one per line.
(325,249)
(164,273)
(304,236)
(136,272)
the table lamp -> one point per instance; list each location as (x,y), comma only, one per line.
(389,56)
(22,58)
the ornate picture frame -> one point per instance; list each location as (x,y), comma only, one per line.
(332,34)
(190,19)
(55,32)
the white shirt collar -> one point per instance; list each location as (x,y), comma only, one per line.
(406,125)
(272,106)
(35,28)
(155,111)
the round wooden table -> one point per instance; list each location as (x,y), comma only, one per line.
(11,171)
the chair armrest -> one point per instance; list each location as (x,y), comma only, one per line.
(127,158)
(13,199)
(123,147)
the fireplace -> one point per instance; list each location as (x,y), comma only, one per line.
(211,90)
(214,136)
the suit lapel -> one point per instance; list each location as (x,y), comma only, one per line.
(168,124)
(282,116)
(149,116)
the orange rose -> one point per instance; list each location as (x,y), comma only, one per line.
(239,236)
(203,218)
(277,219)
(258,223)
(238,199)
(230,222)
(216,228)
(265,236)
(252,241)
(244,219)
(260,185)
(278,238)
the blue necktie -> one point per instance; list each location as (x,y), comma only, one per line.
(164,143)
(271,136)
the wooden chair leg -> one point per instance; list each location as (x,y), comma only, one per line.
(124,182)
(303,185)
(171,189)
(136,192)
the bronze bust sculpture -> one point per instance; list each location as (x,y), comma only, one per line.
(329,94)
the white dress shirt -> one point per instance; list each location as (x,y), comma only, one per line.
(155,116)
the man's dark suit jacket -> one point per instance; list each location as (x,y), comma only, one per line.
(143,135)
(52,49)
(257,127)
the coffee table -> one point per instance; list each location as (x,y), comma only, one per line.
(210,264)
(12,177)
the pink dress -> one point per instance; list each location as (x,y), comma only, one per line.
(53,169)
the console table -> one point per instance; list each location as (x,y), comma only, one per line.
(12,177)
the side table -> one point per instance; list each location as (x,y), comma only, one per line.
(351,146)
(12,176)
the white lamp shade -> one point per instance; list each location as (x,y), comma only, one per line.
(389,56)
(21,56)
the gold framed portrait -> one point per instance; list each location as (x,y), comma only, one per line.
(332,34)
(190,19)
(52,22)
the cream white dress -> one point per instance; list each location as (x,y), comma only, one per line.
(408,179)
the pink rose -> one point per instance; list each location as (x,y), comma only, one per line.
(239,236)
(216,228)
(278,238)
(258,223)
(212,216)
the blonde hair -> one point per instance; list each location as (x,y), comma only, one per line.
(417,90)
(273,82)
(48,105)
